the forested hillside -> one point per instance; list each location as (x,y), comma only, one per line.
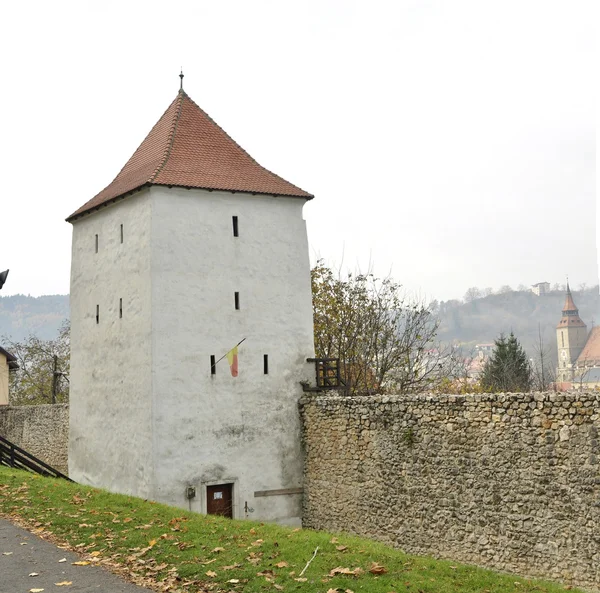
(483,319)
(22,315)
(479,321)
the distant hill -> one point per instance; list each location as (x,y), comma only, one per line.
(483,319)
(22,315)
(477,322)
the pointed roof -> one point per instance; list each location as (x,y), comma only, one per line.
(186,148)
(590,355)
(570,313)
(569,303)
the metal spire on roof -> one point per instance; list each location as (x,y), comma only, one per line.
(181,80)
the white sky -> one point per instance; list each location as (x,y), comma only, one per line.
(452,143)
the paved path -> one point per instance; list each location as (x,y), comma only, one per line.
(22,553)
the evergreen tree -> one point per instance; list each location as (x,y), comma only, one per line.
(508,369)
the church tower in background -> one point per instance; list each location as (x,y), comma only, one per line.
(571,337)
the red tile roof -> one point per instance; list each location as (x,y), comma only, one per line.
(570,313)
(590,355)
(186,148)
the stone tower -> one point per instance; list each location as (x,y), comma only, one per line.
(571,336)
(192,248)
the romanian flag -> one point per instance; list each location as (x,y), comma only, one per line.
(232,359)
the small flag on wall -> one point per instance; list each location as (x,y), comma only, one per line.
(232,359)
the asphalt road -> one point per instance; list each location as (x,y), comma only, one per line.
(22,553)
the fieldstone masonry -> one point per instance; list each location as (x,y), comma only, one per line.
(42,431)
(507,481)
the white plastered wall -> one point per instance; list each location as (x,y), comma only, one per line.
(147,416)
(110,377)
(217,428)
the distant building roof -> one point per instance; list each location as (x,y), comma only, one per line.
(10,359)
(590,355)
(186,148)
(588,376)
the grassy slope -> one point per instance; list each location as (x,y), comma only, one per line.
(152,543)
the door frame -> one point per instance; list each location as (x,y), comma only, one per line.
(234,495)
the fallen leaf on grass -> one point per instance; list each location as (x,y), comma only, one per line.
(341,548)
(377,568)
(341,570)
(210,573)
(219,550)
(233,581)
(301,579)
(282,564)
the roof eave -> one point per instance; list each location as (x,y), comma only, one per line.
(77,215)
(301,193)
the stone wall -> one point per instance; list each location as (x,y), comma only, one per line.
(508,481)
(42,431)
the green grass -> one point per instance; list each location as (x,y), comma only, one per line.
(152,543)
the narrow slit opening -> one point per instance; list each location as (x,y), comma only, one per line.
(236,298)
(120,308)
(121,233)
(266,364)
(96,243)
(213,368)
(97,314)
(235,226)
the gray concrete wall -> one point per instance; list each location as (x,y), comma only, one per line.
(510,482)
(42,431)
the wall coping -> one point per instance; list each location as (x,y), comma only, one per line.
(547,396)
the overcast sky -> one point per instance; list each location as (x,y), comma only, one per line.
(451,143)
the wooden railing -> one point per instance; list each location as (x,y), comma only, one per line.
(12,455)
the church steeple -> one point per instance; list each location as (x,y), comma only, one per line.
(571,336)
(570,312)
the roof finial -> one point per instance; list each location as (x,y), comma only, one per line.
(181,80)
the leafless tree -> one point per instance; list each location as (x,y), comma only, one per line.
(386,341)
(472,294)
(42,377)
(544,374)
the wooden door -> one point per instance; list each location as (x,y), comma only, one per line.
(219,500)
